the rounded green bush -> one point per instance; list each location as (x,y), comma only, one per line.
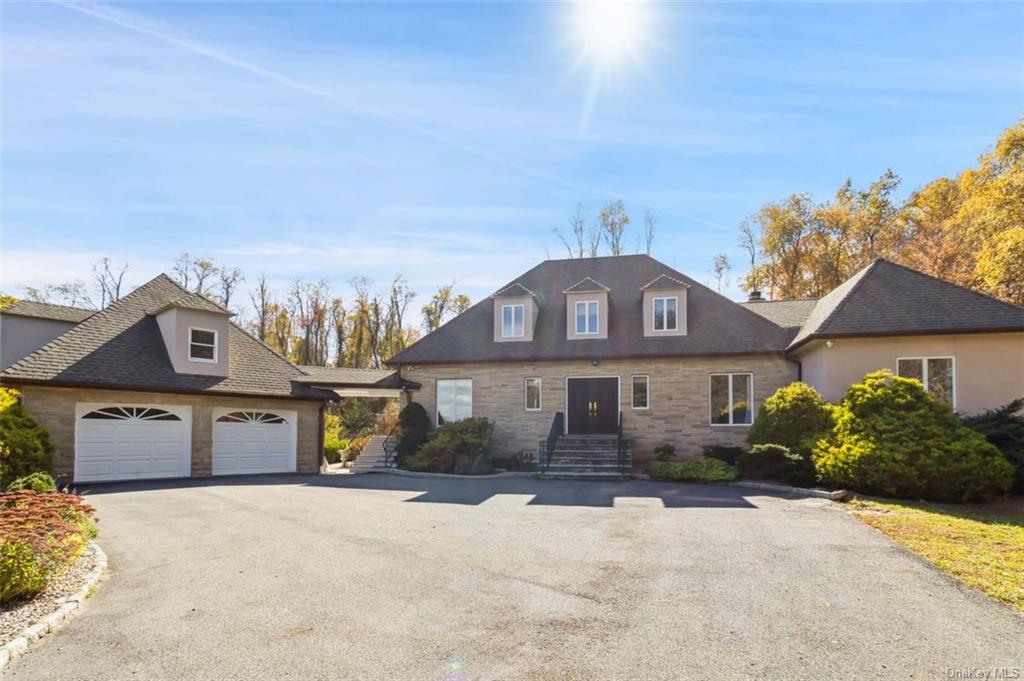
(892,438)
(698,470)
(37,482)
(790,417)
(25,446)
(413,429)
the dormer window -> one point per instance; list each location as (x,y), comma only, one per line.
(587,317)
(665,313)
(202,345)
(512,321)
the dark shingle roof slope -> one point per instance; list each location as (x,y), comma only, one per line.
(345,377)
(888,299)
(664,282)
(61,313)
(512,291)
(789,314)
(715,324)
(121,347)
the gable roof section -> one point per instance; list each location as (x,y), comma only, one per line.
(60,313)
(121,347)
(886,299)
(347,377)
(716,324)
(664,282)
(586,285)
(789,314)
(514,290)
(194,302)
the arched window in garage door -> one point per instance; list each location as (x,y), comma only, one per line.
(251,417)
(132,414)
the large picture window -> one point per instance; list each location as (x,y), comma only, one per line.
(454,400)
(512,320)
(732,399)
(665,314)
(586,317)
(533,394)
(202,345)
(935,373)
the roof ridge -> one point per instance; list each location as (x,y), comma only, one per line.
(862,274)
(949,283)
(186,291)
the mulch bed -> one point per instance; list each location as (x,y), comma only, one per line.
(17,616)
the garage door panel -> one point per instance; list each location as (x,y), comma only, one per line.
(132,442)
(249,441)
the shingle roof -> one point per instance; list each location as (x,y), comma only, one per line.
(586,285)
(513,290)
(716,325)
(888,299)
(664,282)
(193,302)
(789,314)
(348,377)
(62,313)
(121,347)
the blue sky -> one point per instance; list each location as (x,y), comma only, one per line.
(445,142)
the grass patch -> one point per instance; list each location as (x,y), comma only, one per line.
(981,548)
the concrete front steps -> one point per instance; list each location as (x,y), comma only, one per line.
(372,458)
(587,457)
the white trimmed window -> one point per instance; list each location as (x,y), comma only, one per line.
(665,318)
(512,320)
(532,394)
(935,373)
(641,390)
(202,345)
(586,317)
(732,399)
(454,400)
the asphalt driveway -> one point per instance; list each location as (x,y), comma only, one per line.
(381,577)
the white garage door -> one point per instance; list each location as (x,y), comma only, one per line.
(253,441)
(132,442)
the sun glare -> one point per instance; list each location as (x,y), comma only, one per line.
(610,33)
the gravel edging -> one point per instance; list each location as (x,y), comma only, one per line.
(20,644)
(417,474)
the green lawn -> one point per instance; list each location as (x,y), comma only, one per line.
(983,547)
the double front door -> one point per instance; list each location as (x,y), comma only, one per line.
(592,405)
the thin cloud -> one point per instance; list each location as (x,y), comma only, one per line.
(137,24)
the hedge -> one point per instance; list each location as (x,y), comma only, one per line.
(698,470)
(25,446)
(793,416)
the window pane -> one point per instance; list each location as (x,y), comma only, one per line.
(659,314)
(741,406)
(592,317)
(517,322)
(533,393)
(640,393)
(201,351)
(506,320)
(204,337)
(581,317)
(670,314)
(940,379)
(719,399)
(445,401)
(910,368)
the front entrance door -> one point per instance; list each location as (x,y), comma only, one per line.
(592,405)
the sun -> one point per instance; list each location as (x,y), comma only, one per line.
(611,33)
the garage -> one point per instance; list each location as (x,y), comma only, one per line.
(253,441)
(132,441)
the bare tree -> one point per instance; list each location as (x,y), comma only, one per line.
(308,301)
(203,271)
(593,242)
(614,220)
(444,304)
(229,277)
(74,293)
(182,269)
(577,231)
(109,280)
(720,270)
(338,324)
(649,228)
(263,303)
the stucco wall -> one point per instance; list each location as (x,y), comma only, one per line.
(21,335)
(679,398)
(54,409)
(174,327)
(988,368)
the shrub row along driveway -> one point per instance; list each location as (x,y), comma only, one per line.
(328,577)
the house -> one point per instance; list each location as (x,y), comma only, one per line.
(627,339)
(27,325)
(161,383)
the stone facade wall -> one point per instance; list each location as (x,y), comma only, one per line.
(680,401)
(54,409)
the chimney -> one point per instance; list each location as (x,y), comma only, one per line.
(754,297)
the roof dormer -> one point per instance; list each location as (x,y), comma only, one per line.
(195,333)
(515,314)
(665,306)
(586,310)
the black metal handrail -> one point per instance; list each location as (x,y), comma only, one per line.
(391,447)
(548,449)
(621,449)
